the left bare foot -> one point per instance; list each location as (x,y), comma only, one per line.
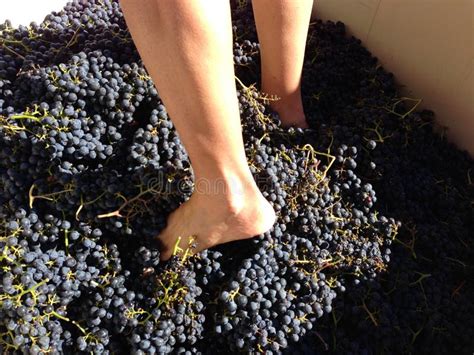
(212,219)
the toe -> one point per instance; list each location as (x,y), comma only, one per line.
(165,250)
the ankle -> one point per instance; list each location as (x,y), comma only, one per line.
(231,193)
(288,104)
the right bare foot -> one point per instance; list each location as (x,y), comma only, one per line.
(292,119)
(291,113)
(216,218)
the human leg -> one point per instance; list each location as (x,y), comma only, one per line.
(282,27)
(186,46)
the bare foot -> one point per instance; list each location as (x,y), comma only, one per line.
(212,219)
(291,113)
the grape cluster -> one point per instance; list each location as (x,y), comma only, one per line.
(245,52)
(91,166)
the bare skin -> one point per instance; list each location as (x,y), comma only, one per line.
(186,46)
(282,27)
